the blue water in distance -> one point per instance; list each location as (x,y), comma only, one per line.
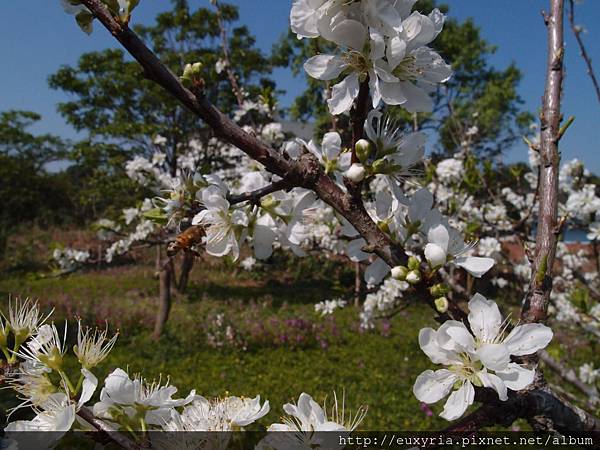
(575,235)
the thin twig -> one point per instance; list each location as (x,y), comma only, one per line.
(584,54)
(118,437)
(569,375)
(254,197)
(239,95)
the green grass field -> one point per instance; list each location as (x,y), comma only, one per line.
(375,368)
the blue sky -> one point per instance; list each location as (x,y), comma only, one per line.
(38,38)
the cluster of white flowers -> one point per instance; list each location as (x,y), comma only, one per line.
(43,381)
(588,374)
(141,232)
(69,259)
(327,307)
(380,42)
(385,299)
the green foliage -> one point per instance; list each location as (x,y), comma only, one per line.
(28,192)
(113,102)
(17,142)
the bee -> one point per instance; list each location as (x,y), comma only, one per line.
(186,240)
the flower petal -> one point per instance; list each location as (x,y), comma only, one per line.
(453,335)
(431,386)
(516,377)
(458,402)
(343,95)
(430,344)
(494,356)
(475,265)
(324,67)
(528,339)
(490,380)
(484,317)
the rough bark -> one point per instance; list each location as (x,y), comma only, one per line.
(187,264)
(165,297)
(540,287)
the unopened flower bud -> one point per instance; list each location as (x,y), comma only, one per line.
(414,263)
(192,73)
(435,255)
(380,166)
(268,202)
(438,290)
(413,277)
(363,150)
(441,304)
(356,173)
(399,272)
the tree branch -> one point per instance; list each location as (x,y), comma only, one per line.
(225,47)
(540,287)
(305,173)
(118,437)
(584,54)
(255,196)
(569,376)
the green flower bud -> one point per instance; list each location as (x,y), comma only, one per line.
(363,150)
(269,202)
(380,166)
(192,73)
(384,226)
(439,290)
(399,273)
(441,304)
(414,263)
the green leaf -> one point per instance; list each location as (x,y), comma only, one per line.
(84,20)
(156,215)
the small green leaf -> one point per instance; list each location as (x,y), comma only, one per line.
(84,20)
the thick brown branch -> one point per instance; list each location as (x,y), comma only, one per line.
(306,173)
(536,303)
(584,54)
(540,402)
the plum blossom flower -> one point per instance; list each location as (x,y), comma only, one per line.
(449,170)
(57,414)
(471,356)
(228,414)
(446,244)
(360,63)
(223,226)
(93,346)
(137,400)
(306,420)
(23,318)
(594,231)
(399,151)
(330,153)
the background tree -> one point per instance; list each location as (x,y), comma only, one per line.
(29,192)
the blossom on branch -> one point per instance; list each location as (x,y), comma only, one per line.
(381,43)
(479,356)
